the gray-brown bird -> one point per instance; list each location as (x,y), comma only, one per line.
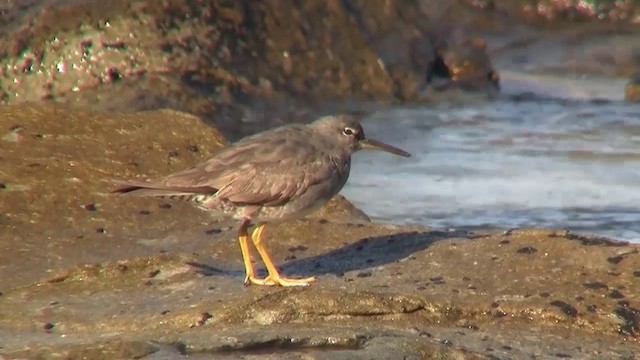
(277,175)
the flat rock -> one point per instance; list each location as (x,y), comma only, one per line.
(87,275)
(56,167)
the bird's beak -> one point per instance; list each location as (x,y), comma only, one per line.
(379,145)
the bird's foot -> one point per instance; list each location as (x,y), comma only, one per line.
(278,280)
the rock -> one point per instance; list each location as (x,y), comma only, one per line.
(632,90)
(56,167)
(168,278)
(563,12)
(263,62)
(448,294)
(340,209)
(544,38)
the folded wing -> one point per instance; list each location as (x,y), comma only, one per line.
(257,171)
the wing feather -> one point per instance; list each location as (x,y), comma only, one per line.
(260,170)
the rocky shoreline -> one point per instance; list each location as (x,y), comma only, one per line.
(247,67)
(88,275)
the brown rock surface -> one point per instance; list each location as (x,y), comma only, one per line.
(632,90)
(263,62)
(55,167)
(84,275)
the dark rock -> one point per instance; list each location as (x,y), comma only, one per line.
(615,259)
(90,207)
(631,318)
(565,307)
(527,250)
(595,286)
(632,90)
(615,294)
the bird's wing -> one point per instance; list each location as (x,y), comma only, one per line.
(261,170)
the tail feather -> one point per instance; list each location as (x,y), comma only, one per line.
(141,188)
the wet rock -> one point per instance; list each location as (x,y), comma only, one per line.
(591,240)
(461,63)
(632,90)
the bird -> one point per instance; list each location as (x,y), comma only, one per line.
(277,175)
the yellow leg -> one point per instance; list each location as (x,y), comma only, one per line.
(274,277)
(243,239)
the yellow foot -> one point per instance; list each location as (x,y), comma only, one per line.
(281,281)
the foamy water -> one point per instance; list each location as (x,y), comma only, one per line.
(561,164)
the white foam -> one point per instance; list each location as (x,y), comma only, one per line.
(506,164)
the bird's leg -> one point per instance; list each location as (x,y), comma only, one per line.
(274,277)
(243,239)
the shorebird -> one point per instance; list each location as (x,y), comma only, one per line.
(277,175)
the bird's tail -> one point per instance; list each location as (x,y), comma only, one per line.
(142,188)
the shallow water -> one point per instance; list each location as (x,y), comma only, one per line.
(572,164)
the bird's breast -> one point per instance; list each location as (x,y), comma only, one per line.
(343,167)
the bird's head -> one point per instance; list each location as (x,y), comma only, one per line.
(346,132)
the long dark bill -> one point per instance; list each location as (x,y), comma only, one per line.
(379,145)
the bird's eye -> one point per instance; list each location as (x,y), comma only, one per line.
(348,131)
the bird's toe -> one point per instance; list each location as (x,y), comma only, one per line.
(281,281)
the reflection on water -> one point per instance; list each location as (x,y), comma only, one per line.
(563,164)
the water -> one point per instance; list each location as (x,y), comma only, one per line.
(554,164)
